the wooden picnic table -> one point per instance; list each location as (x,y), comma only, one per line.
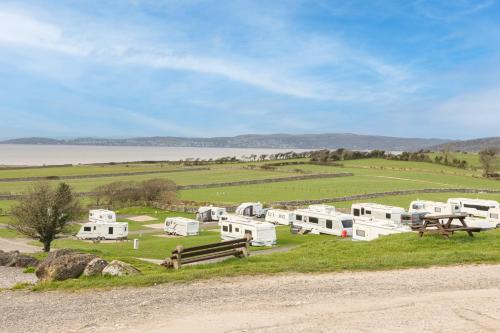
(442,224)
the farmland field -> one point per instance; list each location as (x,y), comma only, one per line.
(305,253)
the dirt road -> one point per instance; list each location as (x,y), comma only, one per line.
(19,244)
(451,299)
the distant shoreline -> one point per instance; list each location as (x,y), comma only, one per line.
(24,155)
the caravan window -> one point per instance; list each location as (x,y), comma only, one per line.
(125,229)
(387,215)
(237,229)
(110,230)
(248,232)
(494,216)
(110,217)
(416,206)
(368,212)
(360,233)
(355,212)
(87,228)
(298,217)
(347,223)
(362,211)
(437,209)
(329,224)
(230,228)
(313,220)
(478,207)
(94,227)
(224,228)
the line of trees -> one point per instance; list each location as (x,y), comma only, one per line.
(325,156)
(147,192)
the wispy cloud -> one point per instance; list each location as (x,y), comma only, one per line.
(286,74)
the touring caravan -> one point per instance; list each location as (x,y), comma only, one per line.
(434,207)
(325,220)
(474,207)
(103,230)
(210,213)
(279,216)
(234,227)
(250,209)
(102,215)
(367,230)
(181,226)
(363,211)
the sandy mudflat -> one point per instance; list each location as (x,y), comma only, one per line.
(449,299)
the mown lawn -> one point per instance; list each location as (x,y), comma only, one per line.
(313,254)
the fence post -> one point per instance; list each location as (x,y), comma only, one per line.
(178,260)
(246,251)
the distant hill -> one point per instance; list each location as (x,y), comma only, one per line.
(284,141)
(474,145)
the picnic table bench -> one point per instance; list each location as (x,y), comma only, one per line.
(442,224)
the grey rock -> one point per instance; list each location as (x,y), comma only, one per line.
(119,268)
(95,267)
(62,266)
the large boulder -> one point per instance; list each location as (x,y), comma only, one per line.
(23,260)
(95,267)
(63,264)
(119,268)
(6,257)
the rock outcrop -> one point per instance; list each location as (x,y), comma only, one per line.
(63,264)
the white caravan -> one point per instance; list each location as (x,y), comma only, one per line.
(324,220)
(474,207)
(102,215)
(234,227)
(279,216)
(374,211)
(103,230)
(434,207)
(210,213)
(367,230)
(250,209)
(181,226)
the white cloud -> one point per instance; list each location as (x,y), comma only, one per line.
(285,72)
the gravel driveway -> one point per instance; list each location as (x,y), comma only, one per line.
(448,299)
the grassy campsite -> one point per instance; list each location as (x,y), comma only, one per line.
(221,184)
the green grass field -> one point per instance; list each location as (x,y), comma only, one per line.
(312,254)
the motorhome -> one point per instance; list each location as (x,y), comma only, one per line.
(279,216)
(250,209)
(324,220)
(234,227)
(102,215)
(103,230)
(181,226)
(434,207)
(367,230)
(210,213)
(474,207)
(374,211)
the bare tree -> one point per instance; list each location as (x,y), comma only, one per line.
(488,160)
(44,212)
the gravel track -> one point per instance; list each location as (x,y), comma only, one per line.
(441,299)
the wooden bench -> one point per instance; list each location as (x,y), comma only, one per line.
(432,224)
(239,248)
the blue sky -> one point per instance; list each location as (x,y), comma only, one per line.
(118,68)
